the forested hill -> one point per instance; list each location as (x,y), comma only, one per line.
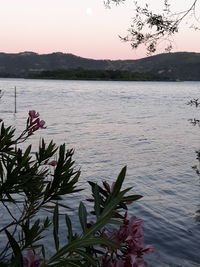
(175,66)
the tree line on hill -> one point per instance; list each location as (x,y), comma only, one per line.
(85,74)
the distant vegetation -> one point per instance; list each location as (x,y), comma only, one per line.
(108,75)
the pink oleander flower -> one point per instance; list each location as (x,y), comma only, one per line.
(33,114)
(129,239)
(113,236)
(135,229)
(32,260)
(35,125)
(52,163)
(135,238)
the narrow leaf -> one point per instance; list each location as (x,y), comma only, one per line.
(56,226)
(83,216)
(69,226)
(106,214)
(80,243)
(131,198)
(97,207)
(86,256)
(119,181)
(15,247)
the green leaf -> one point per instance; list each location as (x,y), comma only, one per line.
(69,226)
(107,213)
(86,256)
(73,264)
(101,190)
(15,247)
(115,221)
(96,195)
(56,226)
(80,243)
(27,152)
(43,251)
(119,182)
(131,198)
(83,216)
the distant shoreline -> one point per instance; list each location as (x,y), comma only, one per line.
(96,75)
(100,80)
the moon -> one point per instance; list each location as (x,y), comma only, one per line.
(89,11)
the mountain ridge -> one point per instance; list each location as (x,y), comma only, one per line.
(184,66)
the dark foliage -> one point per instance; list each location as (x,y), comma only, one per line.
(150,28)
(108,75)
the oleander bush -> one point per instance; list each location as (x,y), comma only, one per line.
(32,184)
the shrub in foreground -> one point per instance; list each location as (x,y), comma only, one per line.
(31,183)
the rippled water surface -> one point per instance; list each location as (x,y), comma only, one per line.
(142,125)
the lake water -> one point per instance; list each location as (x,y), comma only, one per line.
(143,125)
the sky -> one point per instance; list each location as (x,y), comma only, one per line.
(81,27)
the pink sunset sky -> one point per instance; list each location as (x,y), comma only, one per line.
(81,27)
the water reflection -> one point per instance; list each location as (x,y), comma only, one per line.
(145,128)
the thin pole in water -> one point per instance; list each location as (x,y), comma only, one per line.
(15,100)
